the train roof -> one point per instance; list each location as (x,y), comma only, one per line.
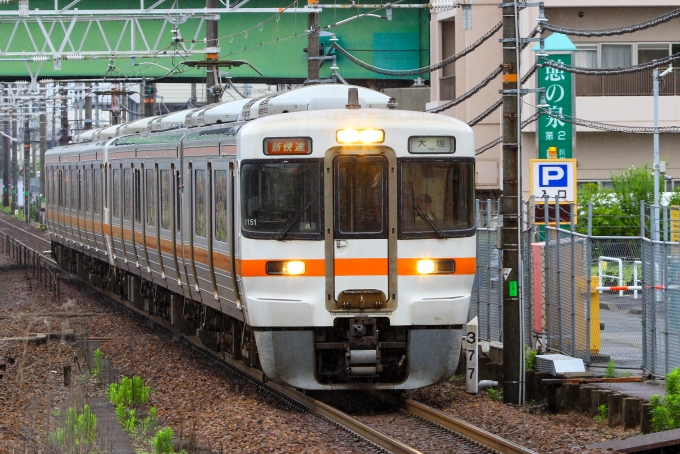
(313,97)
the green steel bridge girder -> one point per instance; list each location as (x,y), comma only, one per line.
(99,46)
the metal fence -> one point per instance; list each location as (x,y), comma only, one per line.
(598,298)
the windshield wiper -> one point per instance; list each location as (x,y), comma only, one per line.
(291,222)
(422,214)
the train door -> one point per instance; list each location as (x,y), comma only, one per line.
(364,231)
(128,209)
(150,212)
(199,269)
(97,178)
(168,262)
(222,232)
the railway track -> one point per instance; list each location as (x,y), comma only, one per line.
(410,420)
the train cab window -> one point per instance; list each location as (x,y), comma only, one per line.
(282,199)
(436,198)
(199,203)
(88,190)
(116,193)
(360,191)
(150,198)
(127,194)
(221,216)
(97,191)
(166,200)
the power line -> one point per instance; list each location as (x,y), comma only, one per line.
(470,93)
(424,69)
(615,31)
(610,71)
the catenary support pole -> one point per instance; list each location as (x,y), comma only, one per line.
(313,45)
(43,150)
(15,166)
(211,53)
(512,342)
(88,107)
(27,169)
(63,140)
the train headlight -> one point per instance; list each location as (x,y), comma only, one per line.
(428,266)
(291,268)
(366,136)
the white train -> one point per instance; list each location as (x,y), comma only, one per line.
(318,234)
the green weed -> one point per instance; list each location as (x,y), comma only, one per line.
(79,431)
(529,358)
(97,370)
(494,395)
(666,413)
(602,415)
(163,442)
(610,373)
(130,392)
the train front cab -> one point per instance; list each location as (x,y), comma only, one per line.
(395,274)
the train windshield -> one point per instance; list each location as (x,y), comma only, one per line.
(437,198)
(282,199)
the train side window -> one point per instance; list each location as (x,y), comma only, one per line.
(138,196)
(221,217)
(73,185)
(60,183)
(178,198)
(88,190)
(79,188)
(150,199)
(97,191)
(199,202)
(116,193)
(127,194)
(360,188)
(166,205)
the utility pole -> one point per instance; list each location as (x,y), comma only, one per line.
(15,167)
(510,203)
(88,107)
(27,169)
(212,52)
(313,44)
(6,159)
(63,140)
(43,150)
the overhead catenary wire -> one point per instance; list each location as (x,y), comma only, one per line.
(614,31)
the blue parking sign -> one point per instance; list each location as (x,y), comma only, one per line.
(553,178)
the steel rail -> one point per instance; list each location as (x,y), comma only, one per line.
(341,418)
(459,426)
(256,375)
(26,232)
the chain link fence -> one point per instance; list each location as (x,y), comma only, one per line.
(598,298)
(486,302)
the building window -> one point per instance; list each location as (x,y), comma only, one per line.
(586,56)
(616,55)
(648,52)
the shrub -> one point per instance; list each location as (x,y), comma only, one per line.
(602,415)
(494,395)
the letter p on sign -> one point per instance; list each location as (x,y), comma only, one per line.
(553,176)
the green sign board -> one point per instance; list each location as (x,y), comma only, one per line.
(556,137)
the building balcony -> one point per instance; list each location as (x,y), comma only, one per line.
(634,84)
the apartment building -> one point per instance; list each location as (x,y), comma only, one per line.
(621,99)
